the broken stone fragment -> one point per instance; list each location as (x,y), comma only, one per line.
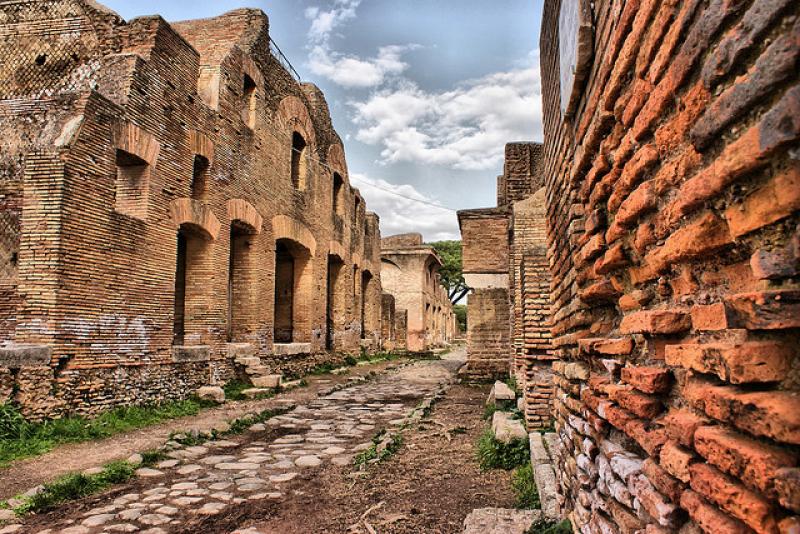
(506,429)
(211,393)
(266,381)
(500,393)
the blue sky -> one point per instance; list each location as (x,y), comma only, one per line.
(425,93)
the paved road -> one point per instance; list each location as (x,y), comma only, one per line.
(262,466)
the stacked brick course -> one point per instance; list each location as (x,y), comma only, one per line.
(673,195)
(170,198)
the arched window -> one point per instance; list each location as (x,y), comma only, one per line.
(249,102)
(200,177)
(298,161)
(338,187)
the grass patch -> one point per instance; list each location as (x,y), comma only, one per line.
(237,426)
(383,446)
(75,486)
(545,526)
(151,457)
(20,438)
(525,488)
(493,454)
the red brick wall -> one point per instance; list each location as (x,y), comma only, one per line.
(484,238)
(673,199)
(95,282)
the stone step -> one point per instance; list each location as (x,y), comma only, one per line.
(500,521)
(248,360)
(252,393)
(544,475)
(266,381)
(256,370)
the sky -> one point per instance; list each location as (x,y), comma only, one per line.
(424,93)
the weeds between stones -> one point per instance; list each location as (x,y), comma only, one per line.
(75,486)
(383,446)
(525,488)
(20,438)
(493,454)
(545,526)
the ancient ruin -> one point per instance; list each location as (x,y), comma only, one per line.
(409,274)
(505,264)
(174,209)
(176,212)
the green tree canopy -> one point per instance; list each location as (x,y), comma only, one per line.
(461,316)
(451,274)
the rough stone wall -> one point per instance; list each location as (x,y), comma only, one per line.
(673,197)
(409,272)
(136,155)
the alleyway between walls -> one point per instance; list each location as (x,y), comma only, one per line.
(297,472)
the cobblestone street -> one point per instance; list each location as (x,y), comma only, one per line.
(266,465)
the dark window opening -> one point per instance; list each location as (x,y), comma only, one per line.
(298,161)
(200,177)
(249,102)
(338,186)
(237,279)
(284,294)
(179,326)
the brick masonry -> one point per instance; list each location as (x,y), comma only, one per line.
(673,227)
(168,192)
(410,275)
(505,264)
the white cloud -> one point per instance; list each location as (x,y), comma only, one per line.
(348,70)
(400,215)
(465,128)
(352,71)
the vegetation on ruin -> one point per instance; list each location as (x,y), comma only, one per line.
(546,526)
(525,491)
(451,271)
(20,438)
(460,311)
(236,426)
(383,446)
(494,454)
(75,486)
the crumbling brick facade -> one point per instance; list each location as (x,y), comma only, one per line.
(172,200)
(505,264)
(410,274)
(673,191)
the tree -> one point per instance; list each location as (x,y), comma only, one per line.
(451,274)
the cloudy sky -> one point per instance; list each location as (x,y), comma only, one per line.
(425,93)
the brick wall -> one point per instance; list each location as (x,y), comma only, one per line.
(673,204)
(137,155)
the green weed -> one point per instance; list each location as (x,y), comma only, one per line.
(493,454)
(545,526)
(392,443)
(525,487)
(20,438)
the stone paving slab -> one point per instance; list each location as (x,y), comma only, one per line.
(205,480)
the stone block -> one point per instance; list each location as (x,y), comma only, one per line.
(501,394)
(200,353)
(211,393)
(506,429)
(16,356)
(267,381)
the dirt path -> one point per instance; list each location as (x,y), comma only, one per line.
(25,474)
(429,486)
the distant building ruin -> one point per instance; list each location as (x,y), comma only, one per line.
(410,274)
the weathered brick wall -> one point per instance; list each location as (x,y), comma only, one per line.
(530,283)
(484,240)
(488,334)
(409,272)
(521,173)
(673,197)
(99,176)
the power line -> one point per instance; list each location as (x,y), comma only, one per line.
(404,196)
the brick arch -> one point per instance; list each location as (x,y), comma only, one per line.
(293,116)
(284,227)
(134,140)
(186,211)
(242,211)
(202,145)
(337,249)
